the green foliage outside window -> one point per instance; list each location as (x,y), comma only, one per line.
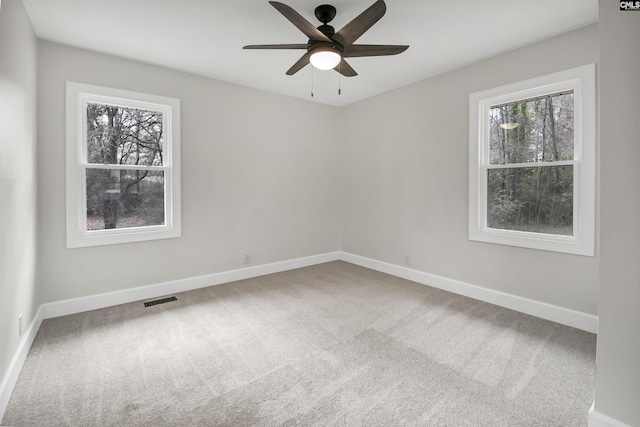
(527,189)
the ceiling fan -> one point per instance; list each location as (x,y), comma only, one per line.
(327,49)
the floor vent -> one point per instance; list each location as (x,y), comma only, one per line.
(160,301)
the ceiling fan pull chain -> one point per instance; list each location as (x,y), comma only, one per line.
(312,82)
(339,78)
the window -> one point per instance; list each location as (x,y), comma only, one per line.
(532,163)
(123,166)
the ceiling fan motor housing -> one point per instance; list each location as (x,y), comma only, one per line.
(327,30)
(326,46)
(317,47)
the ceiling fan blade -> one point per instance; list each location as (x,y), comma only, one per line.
(345,69)
(302,24)
(373,50)
(357,27)
(299,65)
(276,46)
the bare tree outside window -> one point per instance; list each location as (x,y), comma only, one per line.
(130,194)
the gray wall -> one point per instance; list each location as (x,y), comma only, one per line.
(618,358)
(406,171)
(17,175)
(256,178)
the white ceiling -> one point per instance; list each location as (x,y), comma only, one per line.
(205,37)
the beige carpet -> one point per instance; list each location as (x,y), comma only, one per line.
(328,345)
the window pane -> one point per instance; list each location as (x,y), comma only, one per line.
(124,198)
(534,199)
(537,130)
(124,136)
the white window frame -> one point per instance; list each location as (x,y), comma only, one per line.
(78,95)
(581,80)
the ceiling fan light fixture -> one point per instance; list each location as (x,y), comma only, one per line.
(325,58)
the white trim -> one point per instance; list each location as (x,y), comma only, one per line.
(582,81)
(598,419)
(565,316)
(577,319)
(94,302)
(15,367)
(77,96)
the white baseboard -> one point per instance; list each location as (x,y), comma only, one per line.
(598,419)
(94,302)
(565,316)
(12,373)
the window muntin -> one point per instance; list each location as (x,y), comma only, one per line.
(532,163)
(123,166)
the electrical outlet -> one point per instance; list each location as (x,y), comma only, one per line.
(247,259)
(407,259)
(20,325)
